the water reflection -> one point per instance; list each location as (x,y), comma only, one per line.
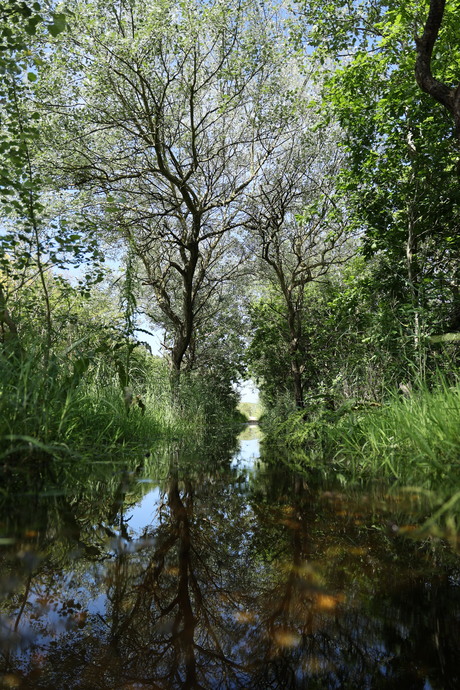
(221,571)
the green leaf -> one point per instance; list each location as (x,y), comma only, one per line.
(445,338)
(58,25)
(31,26)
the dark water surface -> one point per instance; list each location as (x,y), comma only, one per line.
(213,570)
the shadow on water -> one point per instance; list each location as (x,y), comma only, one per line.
(217,568)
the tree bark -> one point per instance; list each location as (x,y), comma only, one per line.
(295,333)
(11,335)
(298,386)
(447,96)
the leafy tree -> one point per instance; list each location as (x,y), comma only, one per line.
(445,94)
(405,29)
(178,111)
(267,355)
(36,235)
(359,343)
(299,232)
(401,182)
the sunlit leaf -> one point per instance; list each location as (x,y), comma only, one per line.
(328,602)
(58,25)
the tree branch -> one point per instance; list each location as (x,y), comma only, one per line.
(448,97)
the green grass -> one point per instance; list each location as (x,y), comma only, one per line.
(414,439)
(44,414)
(84,421)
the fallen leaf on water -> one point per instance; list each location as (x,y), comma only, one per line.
(335,550)
(328,602)
(38,659)
(172,570)
(11,681)
(288,510)
(80,618)
(286,638)
(307,571)
(313,664)
(244,617)
(357,551)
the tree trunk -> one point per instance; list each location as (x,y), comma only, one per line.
(185,621)
(414,287)
(449,97)
(298,385)
(10,336)
(295,334)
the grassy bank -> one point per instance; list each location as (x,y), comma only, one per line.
(45,411)
(408,438)
(411,439)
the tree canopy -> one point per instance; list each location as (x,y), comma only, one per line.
(232,159)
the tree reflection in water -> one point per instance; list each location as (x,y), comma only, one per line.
(241,578)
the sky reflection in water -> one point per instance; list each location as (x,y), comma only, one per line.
(223,572)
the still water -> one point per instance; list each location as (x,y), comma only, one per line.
(219,569)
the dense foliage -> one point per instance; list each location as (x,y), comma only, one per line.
(276,192)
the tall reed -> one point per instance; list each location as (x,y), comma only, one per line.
(415,438)
(64,407)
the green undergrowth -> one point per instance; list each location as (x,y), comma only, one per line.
(409,439)
(407,444)
(45,413)
(80,423)
(412,438)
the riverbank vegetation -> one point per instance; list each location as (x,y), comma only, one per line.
(268,192)
(412,439)
(379,399)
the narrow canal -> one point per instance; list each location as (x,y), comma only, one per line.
(219,569)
